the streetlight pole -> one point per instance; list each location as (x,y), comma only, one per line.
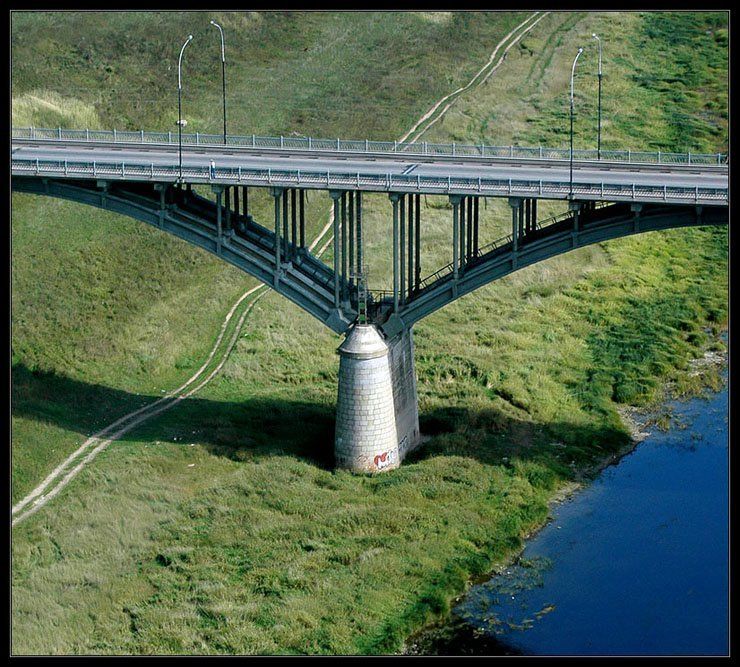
(572,75)
(598,149)
(179,102)
(223,72)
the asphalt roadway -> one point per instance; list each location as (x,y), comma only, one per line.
(610,173)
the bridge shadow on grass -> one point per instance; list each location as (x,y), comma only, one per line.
(260,427)
(257,427)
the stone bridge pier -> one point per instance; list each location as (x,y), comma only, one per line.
(377,421)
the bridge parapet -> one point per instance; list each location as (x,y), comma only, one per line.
(364,146)
(357,181)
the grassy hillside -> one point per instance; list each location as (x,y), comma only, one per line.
(368,74)
(220,526)
(103,298)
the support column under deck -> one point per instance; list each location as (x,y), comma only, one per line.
(293,222)
(402,248)
(277,195)
(463,230)
(358,201)
(455,201)
(410,261)
(417,243)
(377,421)
(218,190)
(469,231)
(351,229)
(227,203)
(286,236)
(521,220)
(162,189)
(336,196)
(394,197)
(476,214)
(515,203)
(576,208)
(343,232)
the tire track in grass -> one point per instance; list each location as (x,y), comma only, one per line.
(462,89)
(493,69)
(418,133)
(153,412)
(439,103)
(38,496)
(38,491)
(135,417)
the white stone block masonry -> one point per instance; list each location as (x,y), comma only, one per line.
(377,420)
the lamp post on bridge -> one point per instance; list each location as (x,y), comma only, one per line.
(180,121)
(572,76)
(223,71)
(598,144)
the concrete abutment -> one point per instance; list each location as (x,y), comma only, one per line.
(377,421)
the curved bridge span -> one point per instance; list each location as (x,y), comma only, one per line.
(585,224)
(281,259)
(232,236)
(377,414)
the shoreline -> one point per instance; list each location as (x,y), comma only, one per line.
(637,420)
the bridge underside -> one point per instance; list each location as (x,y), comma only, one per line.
(531,242)
(225,228)
(377,414)
(336,297)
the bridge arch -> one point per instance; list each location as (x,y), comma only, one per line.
(312,285)
(578,230)
(302,278)
(373,371)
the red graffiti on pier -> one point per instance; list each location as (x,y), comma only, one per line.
(385,459)
(380,458)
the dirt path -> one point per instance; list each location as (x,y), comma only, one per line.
(38,491)
(96,443)
(454,94)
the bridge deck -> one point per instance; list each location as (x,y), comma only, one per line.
(546,178)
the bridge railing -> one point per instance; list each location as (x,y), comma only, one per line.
(388,182)
(448,268)
(422,148)
(494,245)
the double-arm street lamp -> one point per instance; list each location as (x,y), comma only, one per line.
(598,145)
(223,71)
(180,121)
(572,76)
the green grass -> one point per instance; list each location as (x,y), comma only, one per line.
(81,303)
(49,109)
(260,547)
(362,74)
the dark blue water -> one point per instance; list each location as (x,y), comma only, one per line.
(636,564)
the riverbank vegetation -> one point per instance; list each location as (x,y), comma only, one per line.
(220,526)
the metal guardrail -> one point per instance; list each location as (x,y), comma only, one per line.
(447,269)
(494,245)
(379,295)
(372,182)
(365,146)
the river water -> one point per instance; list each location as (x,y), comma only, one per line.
(635,564)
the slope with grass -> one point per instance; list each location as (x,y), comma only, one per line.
(82,304)
(220,526)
